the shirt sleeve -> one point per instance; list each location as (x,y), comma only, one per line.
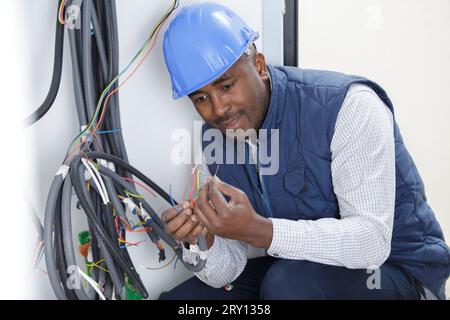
(363,175)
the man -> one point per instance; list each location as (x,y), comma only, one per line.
(345,215)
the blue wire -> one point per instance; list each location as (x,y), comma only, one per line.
(109,131)
(171,199)
(175,264)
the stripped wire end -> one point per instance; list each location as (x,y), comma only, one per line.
(61,12)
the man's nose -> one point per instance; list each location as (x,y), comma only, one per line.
(221,106)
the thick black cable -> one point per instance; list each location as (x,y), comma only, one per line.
(56,77)
(119,162)
(97,52)
(77,177)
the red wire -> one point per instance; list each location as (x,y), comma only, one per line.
(61,12)
(141,185)
(194,180)
(129,76)
(117,89)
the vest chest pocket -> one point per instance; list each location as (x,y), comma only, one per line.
(303,199)
(294,179)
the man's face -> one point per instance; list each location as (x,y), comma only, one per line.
(238,99)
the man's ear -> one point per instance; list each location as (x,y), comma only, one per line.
(261,66)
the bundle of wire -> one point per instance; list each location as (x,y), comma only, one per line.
(96,167)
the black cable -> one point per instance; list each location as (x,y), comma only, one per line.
(59,251)
(120,163)
(56,77)
(77,176)
(95,59)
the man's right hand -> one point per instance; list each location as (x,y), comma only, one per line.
(183,225)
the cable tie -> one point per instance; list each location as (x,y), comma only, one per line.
(196,249)
(130,204)
(63,170)
(111,166)
(102,162)
(144,213)
(87,175)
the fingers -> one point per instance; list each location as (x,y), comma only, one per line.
(203,209)
(203,219)
(235,194)
(182,225)
(195,233)
(226,188)
(171,213)
(217,199)
(184,232)
(174,220)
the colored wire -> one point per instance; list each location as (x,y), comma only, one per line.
(172,201)
(140,185)
(159,268)
(137,196)
(191,194)
(126,80)
(99,184)
(92,282)
(109,131)
(61,12)
(198,181)
(97,265)
(153,35)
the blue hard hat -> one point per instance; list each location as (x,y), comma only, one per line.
(203,41)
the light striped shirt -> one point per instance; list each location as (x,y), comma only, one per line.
(363,174)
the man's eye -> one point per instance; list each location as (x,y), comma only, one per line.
(200,99)
(228,86)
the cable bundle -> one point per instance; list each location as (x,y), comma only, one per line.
(96,167)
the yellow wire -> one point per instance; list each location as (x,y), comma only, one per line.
(137,56)
(96,264)
(135,195)
(91,123)
(162,267)
(153,30)
(198,180)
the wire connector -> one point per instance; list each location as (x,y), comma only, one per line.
(130,204)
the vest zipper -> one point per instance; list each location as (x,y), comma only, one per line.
(262,186)
(264,195)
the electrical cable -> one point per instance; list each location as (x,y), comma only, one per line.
(94,50)
(56,77)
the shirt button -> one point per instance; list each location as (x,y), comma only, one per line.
(276,255)
(228,287)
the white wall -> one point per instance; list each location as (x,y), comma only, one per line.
(149,115)
(404,45)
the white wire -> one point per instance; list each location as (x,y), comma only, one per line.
(92,282)
(94,177)
(100,179)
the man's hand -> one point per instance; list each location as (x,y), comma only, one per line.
(235,219)
(183,225)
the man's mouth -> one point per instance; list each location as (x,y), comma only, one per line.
(233,123)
